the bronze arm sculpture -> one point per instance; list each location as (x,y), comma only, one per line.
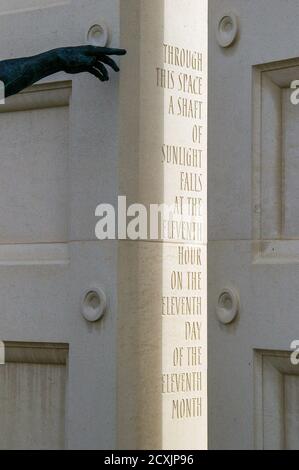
(17,74)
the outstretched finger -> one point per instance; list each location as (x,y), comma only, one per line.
(106,60)
(108,51)
(97,74)
(102,69)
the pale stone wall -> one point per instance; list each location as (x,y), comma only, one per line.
(137,379)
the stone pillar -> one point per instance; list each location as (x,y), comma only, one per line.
(162,396)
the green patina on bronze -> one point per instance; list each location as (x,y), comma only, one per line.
(17,74)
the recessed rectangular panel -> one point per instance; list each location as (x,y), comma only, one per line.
(34,133)
(276,401)
(276,161)
(21,5)
(32,397)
